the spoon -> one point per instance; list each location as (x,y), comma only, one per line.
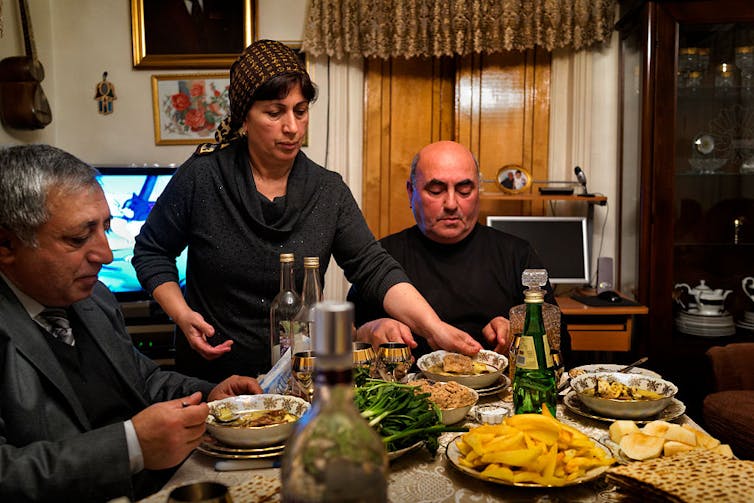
(638,362)
(223,414)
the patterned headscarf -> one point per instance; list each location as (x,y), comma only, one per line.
(258,63)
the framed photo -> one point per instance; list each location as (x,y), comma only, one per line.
(513,179)
(173,34)
(187,108)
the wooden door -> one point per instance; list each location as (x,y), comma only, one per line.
(497,105)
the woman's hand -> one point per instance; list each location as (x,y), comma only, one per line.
(449,338)
(384,330)
(197,331)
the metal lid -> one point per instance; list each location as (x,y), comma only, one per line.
(311,262)
(333,321)
(286,257)
(534,296)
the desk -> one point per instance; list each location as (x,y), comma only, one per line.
(603,328)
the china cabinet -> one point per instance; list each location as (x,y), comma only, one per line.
(687,177)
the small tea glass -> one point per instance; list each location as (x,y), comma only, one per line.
(393,361)
(363,361)
(302,375)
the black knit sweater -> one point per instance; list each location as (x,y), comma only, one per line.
(212,206)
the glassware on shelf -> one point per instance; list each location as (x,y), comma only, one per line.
(745,62)
(688,59)
(725,78)
(703,60)
(745,57)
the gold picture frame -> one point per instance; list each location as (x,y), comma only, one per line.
(188,107)
(513,179)
(160,42)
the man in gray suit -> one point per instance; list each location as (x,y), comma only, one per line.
(84,416)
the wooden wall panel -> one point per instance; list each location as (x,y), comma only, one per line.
(409,103)
(497,105)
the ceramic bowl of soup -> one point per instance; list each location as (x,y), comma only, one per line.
(254,420)
(483,370)
(623,396)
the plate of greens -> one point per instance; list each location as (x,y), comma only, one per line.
(404,417)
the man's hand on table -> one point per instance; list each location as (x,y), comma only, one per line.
(233,386)
(498,332)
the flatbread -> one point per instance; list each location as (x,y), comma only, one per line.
(689,477)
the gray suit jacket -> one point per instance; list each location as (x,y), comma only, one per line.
(48,449)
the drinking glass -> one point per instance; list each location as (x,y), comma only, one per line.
(201,492)
(302,375)
(393,361)
(363,360)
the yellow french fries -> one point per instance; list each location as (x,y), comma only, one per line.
(531,448)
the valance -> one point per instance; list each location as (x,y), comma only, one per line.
(425,28)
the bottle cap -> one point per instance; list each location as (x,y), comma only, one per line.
(332,324)
(286,257)
(311,262)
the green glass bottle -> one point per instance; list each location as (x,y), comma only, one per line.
(534,383)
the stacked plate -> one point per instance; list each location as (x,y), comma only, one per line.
(215,448)
(747,323)
(691,322)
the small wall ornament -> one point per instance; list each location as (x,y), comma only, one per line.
(105,95)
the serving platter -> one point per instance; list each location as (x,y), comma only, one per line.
(673,411)
(454,455)
(214,448)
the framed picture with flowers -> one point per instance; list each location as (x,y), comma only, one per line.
(188,108)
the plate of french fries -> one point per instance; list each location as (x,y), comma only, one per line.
(529,450)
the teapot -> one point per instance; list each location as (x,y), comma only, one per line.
(708,301)
(748,285)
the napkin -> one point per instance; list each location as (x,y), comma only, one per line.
(276,380)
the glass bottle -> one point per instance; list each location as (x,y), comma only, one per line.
(311,293)
(534,382)
(284,308)
(334,455)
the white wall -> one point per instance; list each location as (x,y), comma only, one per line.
(78,40)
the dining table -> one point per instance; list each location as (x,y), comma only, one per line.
(418,476)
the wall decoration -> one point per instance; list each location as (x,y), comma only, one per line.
(105,94)
(187,108)
(170,34)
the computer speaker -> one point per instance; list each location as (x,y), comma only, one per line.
(604,274)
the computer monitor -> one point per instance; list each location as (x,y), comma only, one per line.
(561,242)
(131,193)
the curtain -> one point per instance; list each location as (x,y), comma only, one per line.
(426,28)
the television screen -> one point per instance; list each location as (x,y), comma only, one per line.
(561,242)
(131,192)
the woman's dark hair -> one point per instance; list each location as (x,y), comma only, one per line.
(279,86)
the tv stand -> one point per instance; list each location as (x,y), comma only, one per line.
(151,330)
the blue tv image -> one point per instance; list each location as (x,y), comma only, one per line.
(131,193)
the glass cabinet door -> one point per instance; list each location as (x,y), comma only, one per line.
(713,221)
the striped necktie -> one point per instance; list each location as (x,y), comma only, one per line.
(57,323)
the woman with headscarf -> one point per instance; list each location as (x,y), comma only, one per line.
(241,202)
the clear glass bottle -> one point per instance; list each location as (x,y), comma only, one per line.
(284,308)
(311,293)
(534,382)
(334,455)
